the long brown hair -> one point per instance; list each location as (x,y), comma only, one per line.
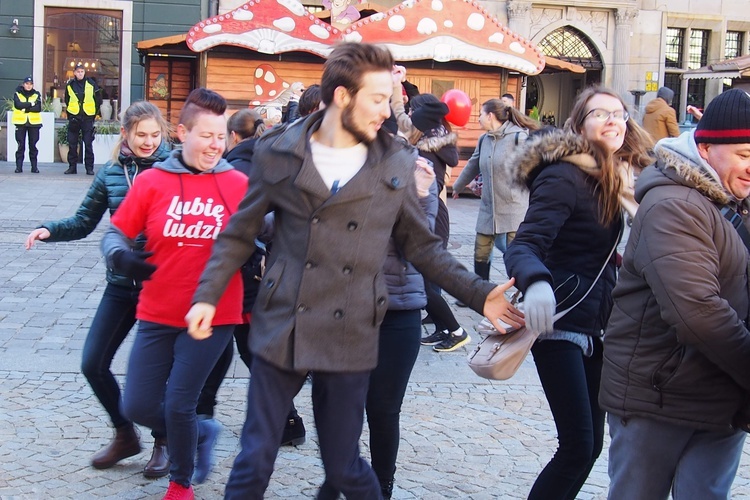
(505,113)
(634,151)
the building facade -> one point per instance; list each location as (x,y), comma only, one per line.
(634,46)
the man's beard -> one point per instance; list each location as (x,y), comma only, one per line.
(347,122)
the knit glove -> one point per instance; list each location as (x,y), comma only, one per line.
(539,306)
(133,264)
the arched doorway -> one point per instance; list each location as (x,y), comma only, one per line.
(553,93)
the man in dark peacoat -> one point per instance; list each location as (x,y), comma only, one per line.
(324,295)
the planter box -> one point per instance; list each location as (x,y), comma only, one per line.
(46,145)
(103,146)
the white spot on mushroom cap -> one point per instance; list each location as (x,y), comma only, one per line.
(258,72)
(436,5)
(378,16)
(258,89)
(285,24)
(293,5)
(397,23)
(517,48)
(408,4)
(319,31)
(497,38)
(475,21)
(242,15)
(448,23)
(271,93)
(212,28)
(426,26)
(353,37)
(269,77)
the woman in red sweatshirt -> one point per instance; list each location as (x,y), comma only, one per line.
(180,206)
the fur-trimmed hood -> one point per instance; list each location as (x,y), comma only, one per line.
(545,149)
(678,161)
(442,146)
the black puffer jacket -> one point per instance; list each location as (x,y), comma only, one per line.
(561,240)
(108,189)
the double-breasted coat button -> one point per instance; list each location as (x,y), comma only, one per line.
(309,265)
(347,270)
(352,226)
(395,182)
(301,308)
(338,314)
(381,301)
(315,219)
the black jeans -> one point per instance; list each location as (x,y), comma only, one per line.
(114,318)
(571,384)
(439,310)
(84,126)
(33,134)
(398,349)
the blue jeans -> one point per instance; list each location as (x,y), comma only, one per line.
(338,405)
(571,384)
(166,371)
(648,458)
(113,320)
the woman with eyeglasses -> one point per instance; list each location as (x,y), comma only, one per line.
(579,182)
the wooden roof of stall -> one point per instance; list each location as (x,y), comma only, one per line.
(440,30)
(737,67)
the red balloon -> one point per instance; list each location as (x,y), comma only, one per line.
(459,107)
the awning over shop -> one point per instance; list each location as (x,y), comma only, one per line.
(560,65)
(738,67)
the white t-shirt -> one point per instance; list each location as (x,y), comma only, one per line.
(337,165)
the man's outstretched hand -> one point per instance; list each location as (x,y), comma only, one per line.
(498,308)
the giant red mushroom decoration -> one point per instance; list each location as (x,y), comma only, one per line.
(443,30)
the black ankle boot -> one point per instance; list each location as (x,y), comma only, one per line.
(71,170)
(482,269)
(19,170)
(294,430)
(34,170)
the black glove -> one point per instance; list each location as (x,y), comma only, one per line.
(133,264)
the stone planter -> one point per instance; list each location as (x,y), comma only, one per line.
(46,144)
(103,146)
(63,148)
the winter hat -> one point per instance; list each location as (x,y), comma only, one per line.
(726,119)
(390,124)
(666,93)
(28,79)
(429,115)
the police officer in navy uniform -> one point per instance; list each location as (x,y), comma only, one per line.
(27,117)
(82,98)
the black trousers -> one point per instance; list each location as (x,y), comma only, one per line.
(33,133)
(85,127)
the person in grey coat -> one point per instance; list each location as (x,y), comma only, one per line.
(341,188)
(676,377)
(503,203)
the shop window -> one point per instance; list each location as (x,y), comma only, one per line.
(733,44)
(698,49)
(90,37)
(673,57)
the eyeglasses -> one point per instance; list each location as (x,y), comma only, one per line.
(602,115)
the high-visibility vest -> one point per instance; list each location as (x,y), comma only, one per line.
(89,105)
(20,117)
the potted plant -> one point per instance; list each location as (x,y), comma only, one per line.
(106,135)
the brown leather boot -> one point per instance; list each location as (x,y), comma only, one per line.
(158,465)
(124,445)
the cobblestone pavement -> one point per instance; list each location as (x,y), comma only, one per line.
(462,437)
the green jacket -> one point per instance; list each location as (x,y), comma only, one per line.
(107,191)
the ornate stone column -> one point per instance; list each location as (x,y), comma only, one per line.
(623,27)
(519,17)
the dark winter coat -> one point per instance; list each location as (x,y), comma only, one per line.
(441,150)
(108,189)
(324,293)
(561,240)
(677,347)
(241,156)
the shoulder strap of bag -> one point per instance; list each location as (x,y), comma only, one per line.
(601,271)
(735,220)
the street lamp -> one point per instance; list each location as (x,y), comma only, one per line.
(14,29)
